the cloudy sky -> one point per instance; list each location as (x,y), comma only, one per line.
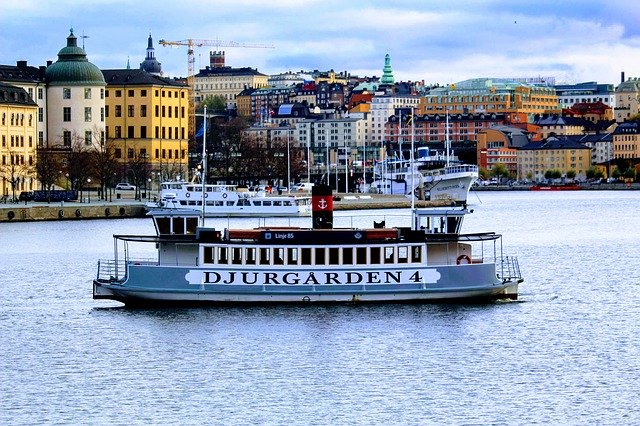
(431,40)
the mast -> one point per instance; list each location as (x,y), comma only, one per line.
(204,163)
(411,163)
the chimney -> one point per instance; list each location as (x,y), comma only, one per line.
(21,64)
(622,77)
(322,207)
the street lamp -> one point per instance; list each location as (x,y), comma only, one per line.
(288,162)
(89,190)
(148,190)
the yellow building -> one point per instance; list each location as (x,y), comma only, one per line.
(553,154)
(484,95)
(626,141)
(18,113)
(147,120)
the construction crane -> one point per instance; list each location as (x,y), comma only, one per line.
(191,43)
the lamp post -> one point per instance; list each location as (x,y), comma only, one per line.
(89,190)
(288,162)
(148,189)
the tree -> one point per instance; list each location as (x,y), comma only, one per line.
(216,103)
(49,167)
(571,174)
(500,171)
(16,171)
(79,163)
(104,164)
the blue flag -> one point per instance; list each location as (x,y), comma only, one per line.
(200,132)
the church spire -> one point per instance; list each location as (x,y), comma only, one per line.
(387,72)
(150,64)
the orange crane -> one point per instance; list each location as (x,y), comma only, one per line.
(191,43)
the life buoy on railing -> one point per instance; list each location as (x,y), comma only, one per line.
(60,213)
(188,194)
(78,213)
(206,195)
(11,215)
(225,195)
(107,211)
(463,259)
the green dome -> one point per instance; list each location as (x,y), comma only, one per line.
(73,68)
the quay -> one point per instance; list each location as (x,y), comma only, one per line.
(94,208)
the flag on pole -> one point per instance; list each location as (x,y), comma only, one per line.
(200,132)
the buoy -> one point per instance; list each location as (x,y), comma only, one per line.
(107,211)
(78,213)
(467,260)
(60,213)
(122,211)
(11,215)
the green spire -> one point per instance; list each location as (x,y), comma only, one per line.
(387,72)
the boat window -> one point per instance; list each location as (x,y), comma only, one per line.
(347,256)
(192,224)
(334,255)
(388,255)
(416,254)
(164,225)
(320,256)
(286,203)
(292,256)
(183,203)
(250,256)
(361,255)
(403,254)
(210,203)
(230,203)
(265,255)
(305,256)
(178,225)
(208,255)
(266,203)
(278,256)
(257,203)
(243,202)
(218,203)
(236,256)
(374,254)
(223,257)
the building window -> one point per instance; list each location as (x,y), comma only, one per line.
(130,110)
(143,110)
(66,114)
(66,93)
(87,114)
(106,111)
(157,111)
(87,93)
(101,93)
(130,133)
(130,153)
(40,93)
(143,132)
(118,153)
(118,110)
(118,93)
(102,114)
(130,93)
(87,137)
(143,92)
(157,133)
(163,109)
(40,138)
(66,138)
(118,132)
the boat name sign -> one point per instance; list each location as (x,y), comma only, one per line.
(424,276)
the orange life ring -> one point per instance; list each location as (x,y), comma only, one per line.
(464,257)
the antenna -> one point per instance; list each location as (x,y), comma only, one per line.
(83,37)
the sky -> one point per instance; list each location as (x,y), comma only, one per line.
(428,40)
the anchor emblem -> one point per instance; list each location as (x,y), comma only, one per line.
(322,204)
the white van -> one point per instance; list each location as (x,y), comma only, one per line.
(302,187)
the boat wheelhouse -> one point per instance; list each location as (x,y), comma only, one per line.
(427,260)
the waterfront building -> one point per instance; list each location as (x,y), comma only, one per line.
(601,145)
(18,114)
(384,106)
(553,154)
(150,63)
(499,145)
(626,141)
(147,120)
(243,102)
(627,99)
(227,82)
(32,80)
(75,97)
(487,96)
(585,93)
(265,102)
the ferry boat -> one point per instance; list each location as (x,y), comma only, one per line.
(427,260)
(228,201)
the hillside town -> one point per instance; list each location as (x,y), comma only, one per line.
(71,125)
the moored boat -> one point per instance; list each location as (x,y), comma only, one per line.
(228,201)
(567,187)
(427,260)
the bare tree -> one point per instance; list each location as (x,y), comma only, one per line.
(104,164)
(49,167)
(79,164)
(16,171)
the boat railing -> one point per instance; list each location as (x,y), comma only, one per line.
(510,269)
(111,271)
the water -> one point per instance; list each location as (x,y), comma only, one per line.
(568,352)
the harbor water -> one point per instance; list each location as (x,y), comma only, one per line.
(567,352)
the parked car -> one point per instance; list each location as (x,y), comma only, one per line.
(26,196)
(302,186)
(125,187)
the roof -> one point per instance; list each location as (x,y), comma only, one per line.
(136,77)
(628,127)
(11,95)
(228,71)
(21,73)
(72,67)
(559,120)
(553,142)
(516,136)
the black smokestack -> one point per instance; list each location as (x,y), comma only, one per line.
(322,206)
(622,77)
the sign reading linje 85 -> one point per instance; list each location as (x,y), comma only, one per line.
(313,237)
(407,276)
